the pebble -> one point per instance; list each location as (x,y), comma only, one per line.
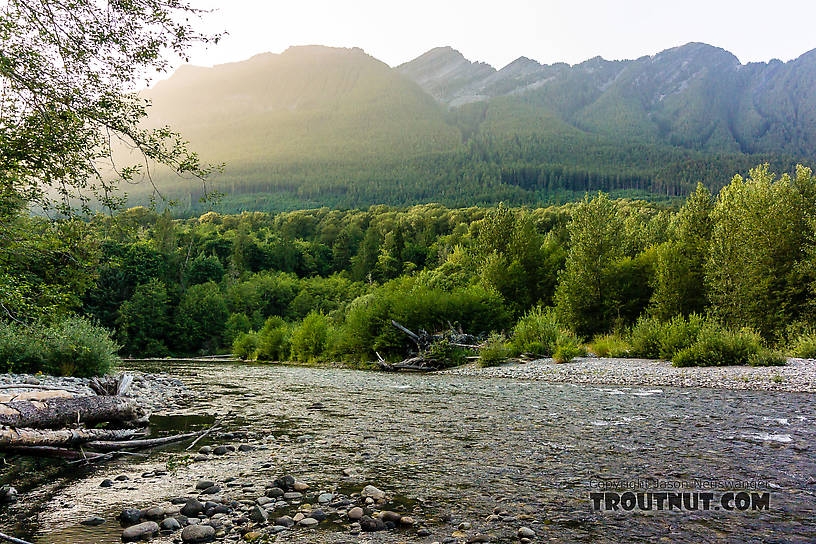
(154,513)
(170,524)
(220,450)
(130,516)
(93,521)
(258,515)
(369,524)
(204,484)
(324,498)
(107,482)
(308,522)
(285,521)
(370,491)
(526,532)
(192,508)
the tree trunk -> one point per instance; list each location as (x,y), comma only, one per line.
(16,438)
(109,445)
(52,413)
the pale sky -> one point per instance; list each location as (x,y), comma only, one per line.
(497,32)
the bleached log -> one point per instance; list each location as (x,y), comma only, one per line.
(11,438)
(60,412)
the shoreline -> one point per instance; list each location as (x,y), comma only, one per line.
(798,376)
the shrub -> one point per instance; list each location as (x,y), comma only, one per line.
(309,339)
(245,345)
(767,357)
(716,346)
(72,347)
(804,345)
(610,345)
(494,351)
(644,338)
(274,340)
(679,333)
(536,332)
(78,347)
(567,348)
(445,354)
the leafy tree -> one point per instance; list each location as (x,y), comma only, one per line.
(755,271)
(204,269)
(144,320)
(200,318)
(586,291)
(680,270)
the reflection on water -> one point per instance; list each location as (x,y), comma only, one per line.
(467,445)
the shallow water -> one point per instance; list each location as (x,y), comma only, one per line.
(465,446)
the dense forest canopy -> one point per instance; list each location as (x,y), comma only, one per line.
(324,284)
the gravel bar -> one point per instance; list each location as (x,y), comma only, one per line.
(799,375)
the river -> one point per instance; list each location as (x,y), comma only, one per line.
(463,447)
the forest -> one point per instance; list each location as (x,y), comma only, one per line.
(725,278)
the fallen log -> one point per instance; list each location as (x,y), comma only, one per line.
(52,451)
(59,412)
(16,438)
(13,540)
(38,395)
(114,445)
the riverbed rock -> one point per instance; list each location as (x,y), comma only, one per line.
(170,524)
(192,508)
(220,450)
(300,486)
(130,516)
(526,532)
(325,498)
(292,496)
(285,521)
(285,482)
(370,525)
(258,515)
(356,513)
(309,522)
(212,490)
(141,531)
(107,482)
(204,484)
(154,513)
(390,516)
(205,450)
(370,491)
(197,534)
(93,521)
(274,492)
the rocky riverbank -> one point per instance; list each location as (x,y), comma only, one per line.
(799,375)
(153,391)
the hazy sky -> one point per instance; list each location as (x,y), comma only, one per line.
(499,31)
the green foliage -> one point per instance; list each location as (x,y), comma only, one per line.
(494,351)
(680,333)
(536,332)
(245,345)
(757,272)
(804,345)
(567,348)
(275,340)
(236,324)
(446,355)
(72,347)
(309,339)
(717,346)
(204,269)
(200,318)
(610,345)
(144,321)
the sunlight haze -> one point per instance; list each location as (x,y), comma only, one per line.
(499,32)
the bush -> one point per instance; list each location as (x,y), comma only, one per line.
(678,334)
(567,348)
(610,345)
(72,347)
(494,351)
(245,345)
(235,325)
(274,340)
(804,345)
(536,332)
(445,354)
(716,346)
(645,336)
(767,357)
(309,339)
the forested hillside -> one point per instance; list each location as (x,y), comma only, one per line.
(318,126)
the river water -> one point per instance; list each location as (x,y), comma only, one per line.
(459,447)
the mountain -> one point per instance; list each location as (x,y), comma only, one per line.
(319,126)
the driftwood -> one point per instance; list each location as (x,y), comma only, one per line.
(110,445)
(112,386)
(38,395)
(13,540)
(18,438)
(60,412)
